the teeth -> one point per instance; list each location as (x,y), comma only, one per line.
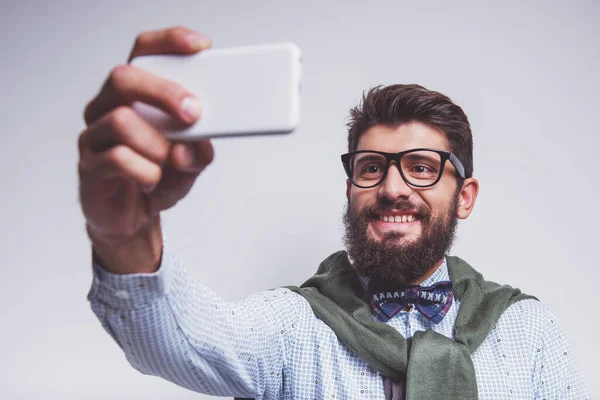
(397,218)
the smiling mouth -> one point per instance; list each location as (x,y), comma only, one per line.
(406,218)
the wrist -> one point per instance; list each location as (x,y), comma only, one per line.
(140,253)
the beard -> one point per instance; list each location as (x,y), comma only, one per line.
(391,261)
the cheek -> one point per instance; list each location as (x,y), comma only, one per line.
(438,201)
(445,211)
(358,198)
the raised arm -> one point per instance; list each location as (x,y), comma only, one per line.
(166,324)
(172,327)
(128,171)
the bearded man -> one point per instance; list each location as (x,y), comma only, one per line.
(393,317)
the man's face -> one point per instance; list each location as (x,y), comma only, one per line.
(394,230)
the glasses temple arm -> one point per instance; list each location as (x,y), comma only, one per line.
(458,165)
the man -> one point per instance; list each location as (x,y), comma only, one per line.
(393,318)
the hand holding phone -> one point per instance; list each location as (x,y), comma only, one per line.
(253,90)
(128,171)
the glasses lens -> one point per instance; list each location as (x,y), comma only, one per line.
(421,168)
(367,168)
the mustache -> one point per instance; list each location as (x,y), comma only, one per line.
(421,211)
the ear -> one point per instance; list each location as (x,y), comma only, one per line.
(348,187)
(467,197)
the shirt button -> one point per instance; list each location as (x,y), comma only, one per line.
(122,294)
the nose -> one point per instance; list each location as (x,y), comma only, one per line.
(393,186)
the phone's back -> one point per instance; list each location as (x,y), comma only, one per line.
(246,90)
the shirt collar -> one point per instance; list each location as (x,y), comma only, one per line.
(440,274)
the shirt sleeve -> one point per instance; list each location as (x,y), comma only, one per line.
(172,327)
(557,375)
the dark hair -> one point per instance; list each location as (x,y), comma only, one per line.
(399,104)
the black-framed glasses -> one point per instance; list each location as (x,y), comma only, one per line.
(418,167)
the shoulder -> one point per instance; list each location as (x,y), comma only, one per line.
(531,318)
(284,303)
(530,311)
(523,331)
(295,318)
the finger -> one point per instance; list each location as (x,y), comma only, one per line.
(127,84)
(186,161)
(120,162)
(173,187)
(191,156)
(125,127)
(176,40)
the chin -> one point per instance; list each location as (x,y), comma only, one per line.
(399,241)
(393,239)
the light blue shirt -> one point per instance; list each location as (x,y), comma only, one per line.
(270,345)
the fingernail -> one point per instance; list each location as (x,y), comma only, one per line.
(198,41)
(149,189)
(191,108)
(189,156)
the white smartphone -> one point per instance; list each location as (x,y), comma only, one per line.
(253,90)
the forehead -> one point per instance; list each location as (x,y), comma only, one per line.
(393,139)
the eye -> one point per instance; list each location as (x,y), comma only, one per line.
(371,169)
(421,169)
(371,166)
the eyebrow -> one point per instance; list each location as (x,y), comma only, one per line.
(368,157)
(414,156)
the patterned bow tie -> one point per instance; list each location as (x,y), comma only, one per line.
(432,301)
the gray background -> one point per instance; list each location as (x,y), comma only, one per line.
(269,209)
